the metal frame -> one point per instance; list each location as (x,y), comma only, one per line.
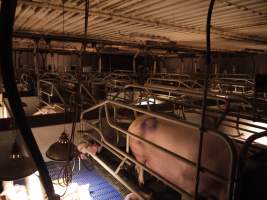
(125,156)
(50,93)
(178,83)
(180,98)
(54,89)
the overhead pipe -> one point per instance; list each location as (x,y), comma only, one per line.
(74,38)
(7,17)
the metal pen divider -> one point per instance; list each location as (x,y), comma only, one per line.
(228,142)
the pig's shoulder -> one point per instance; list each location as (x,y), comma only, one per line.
(143,123)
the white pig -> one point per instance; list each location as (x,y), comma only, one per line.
(182,140)
(48,110)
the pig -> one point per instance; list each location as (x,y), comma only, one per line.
(48,110)
(87,148)
(182,140)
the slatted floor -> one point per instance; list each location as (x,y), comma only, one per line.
(100,188)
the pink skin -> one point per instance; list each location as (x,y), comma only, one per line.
(45,110)
(87,149)
(183,141)
(133,196)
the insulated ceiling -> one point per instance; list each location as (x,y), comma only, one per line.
(237,25)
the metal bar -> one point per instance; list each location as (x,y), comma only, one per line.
(82,87)
(113,149)
(228,142)
(179,102)
(120,165)
(53,88)
(117,176)
(242,160)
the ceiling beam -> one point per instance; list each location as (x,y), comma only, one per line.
(223,33)
(69,38)
(110,15)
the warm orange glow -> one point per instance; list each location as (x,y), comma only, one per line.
(14,192)
(34,187)
(74,192)
(34,190)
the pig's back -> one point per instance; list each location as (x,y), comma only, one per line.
(179,139)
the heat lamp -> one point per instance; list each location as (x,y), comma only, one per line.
(62,150)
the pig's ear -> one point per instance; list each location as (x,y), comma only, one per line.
(149,124)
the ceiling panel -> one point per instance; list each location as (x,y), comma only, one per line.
(236,24)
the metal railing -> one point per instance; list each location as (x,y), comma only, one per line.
(50,91)
(124,155)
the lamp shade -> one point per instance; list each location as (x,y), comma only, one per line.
(62,150)
(14,164)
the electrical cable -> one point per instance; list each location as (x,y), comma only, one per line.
(66,172)
(7,18)
(203,115)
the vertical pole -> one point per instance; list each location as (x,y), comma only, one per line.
(134,63)
(234,69)
(134,67)
(195,65)
(203,114)
(15,60)
(36,69)
(35,62)
(109,63)
(51,56)
(155,67)
(215,68)
(19,59)
(164,64)
(182,62)
(99,63)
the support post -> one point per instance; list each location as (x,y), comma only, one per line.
(35,61)
(182,63)
(99,63)
(134,63)
(155,67)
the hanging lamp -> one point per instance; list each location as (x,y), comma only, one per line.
(15,163)
(63,149)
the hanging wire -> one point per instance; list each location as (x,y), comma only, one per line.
(203,115)
(63,32)
(66,172)
(64,177)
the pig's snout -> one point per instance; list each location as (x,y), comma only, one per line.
(87,148)
(133,196)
